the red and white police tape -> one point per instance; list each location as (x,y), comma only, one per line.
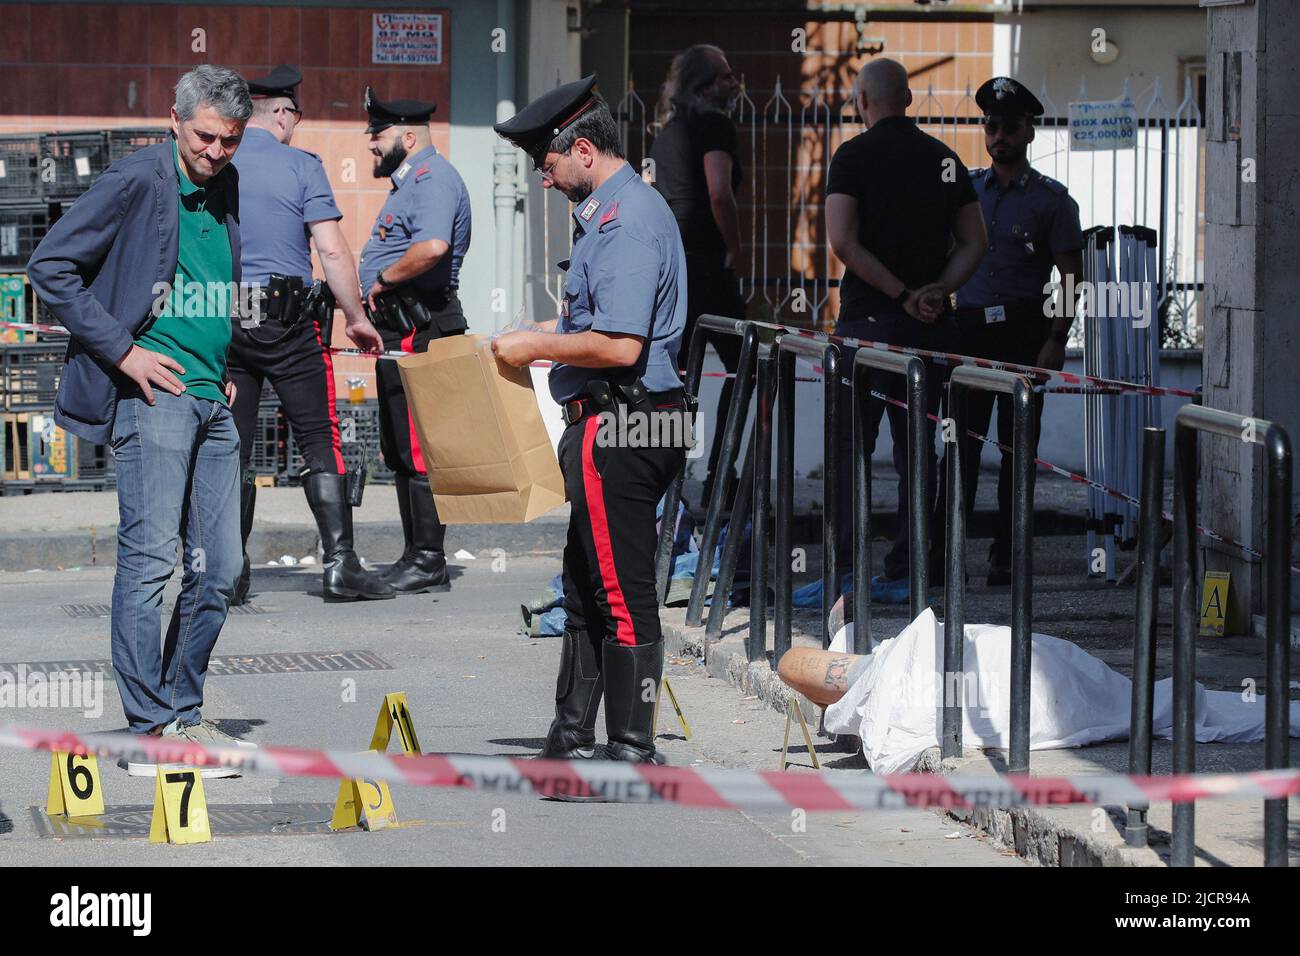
(706,787)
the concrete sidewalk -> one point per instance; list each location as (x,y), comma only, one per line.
(1098,618)
(79,529)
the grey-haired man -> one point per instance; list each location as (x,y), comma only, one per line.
(142,270)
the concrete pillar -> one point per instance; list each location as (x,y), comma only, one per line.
(1251,305)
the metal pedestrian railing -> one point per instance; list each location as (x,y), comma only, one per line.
(963,379)
(1144,632)
(828,355)
(734,426)
(756,644)
(920,444)
(767,376)
(1189,422)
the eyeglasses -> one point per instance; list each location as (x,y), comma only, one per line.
(994,125)
(297,113)
(548,172)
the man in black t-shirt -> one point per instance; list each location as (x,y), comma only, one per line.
(696,168)
(902,216)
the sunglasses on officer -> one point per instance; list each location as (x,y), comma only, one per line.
(1011,125)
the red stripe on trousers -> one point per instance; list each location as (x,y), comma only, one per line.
(417,456)
(336,440)
(594,486)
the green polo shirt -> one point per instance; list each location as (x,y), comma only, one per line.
(192,324)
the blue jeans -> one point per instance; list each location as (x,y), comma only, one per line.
(177,473)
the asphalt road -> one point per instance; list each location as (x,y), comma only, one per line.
(474,685)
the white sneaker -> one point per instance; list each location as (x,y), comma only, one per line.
(175,733)
(209,734)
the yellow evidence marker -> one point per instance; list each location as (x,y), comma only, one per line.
(654,719)
(180,810)
(368,803)
(75,790)
(364,803)
(395,713)
(1217,617)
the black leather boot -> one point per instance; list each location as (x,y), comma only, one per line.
(247,504)
(631,675)
(577,698)
(423,566)
(404,509)
(344,578)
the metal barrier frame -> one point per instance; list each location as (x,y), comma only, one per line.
(912,369)
(731,550)
(756,645)
(1136,831)
(964,378)
(736,415)
(788,348)
(737,412)
(1190,420)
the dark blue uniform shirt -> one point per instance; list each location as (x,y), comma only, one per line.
(428,201)
(628,275)
(282,190)
(1030,221)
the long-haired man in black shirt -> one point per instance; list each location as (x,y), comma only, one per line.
(696,168)
(904,219)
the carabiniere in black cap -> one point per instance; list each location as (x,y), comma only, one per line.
(282,81)
(534,127)
(395,113)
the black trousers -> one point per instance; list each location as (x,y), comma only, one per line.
(714,292)
(1019,339)
(397,437)
(609,558)
(300,370)
(894,329)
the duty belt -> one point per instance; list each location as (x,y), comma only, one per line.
(602,396)
(284,303)
(406,310)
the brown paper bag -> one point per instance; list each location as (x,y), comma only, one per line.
(485,446)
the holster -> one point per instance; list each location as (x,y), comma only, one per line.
(406,309)
(284,298)
(635,396)
(318,307)
(399,309)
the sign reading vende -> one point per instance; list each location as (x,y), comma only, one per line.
(407,38)
(1103,125)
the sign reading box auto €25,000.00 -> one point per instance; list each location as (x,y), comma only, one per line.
(1103,125)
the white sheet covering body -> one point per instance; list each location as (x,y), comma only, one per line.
(896,706)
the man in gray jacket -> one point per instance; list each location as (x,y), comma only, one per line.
(143,271)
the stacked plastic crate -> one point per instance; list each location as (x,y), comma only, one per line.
(41,174)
